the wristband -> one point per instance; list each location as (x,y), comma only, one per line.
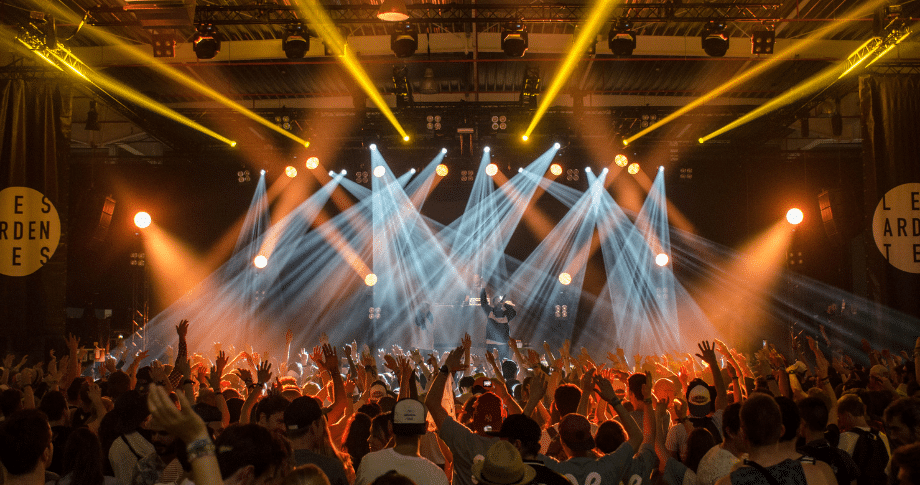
(444,369)
(616,401)
(647,400)
(199,448)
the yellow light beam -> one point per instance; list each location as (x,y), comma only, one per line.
(760,68)
(333,39)
(596,18)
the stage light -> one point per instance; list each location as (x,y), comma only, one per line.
(379,171)
(404,39)
(633,168)
(262,172)
(393,11)
(260,261)
(557,145)
(290,171)
(587,169)
(520,169)
(514,39)
(525,137)
(604,170)
(406,138)
(295,42)
(794,216)
(661,168)
(142,220)
(662,259)
(565,278)
(206,42)
(441,170)
(312,163)
(412,170)
(491,169)
(443,150)
(621,160)
(344,172)
(373,146)
(622,39)
(370,279)
(555,169)
(331,173)
(486,149)
(763,41)
(714,39)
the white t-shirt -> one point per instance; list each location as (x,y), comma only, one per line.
(848,440)
(715,464)
(124,458)
(419,469)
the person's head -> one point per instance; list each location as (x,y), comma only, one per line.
(814,414)
(699,441)
(791,418)
(610,435)
(665,388)
(566,398)
(409,418)
(466,383)
(850,411)
(907,459)
(371,409)
(634,383)
(212,417)
(251,454)
(523,432)
(118,383)
(701,398)
(378,390)
(83,457)
(509,369)
(54,405)
(487,414)
(902,421)
(10,401)
(25,442)
(381,431)
(731,424)
(355,443)
(503,465)
(269,413)
(387,402)
(575,433)
(164,442)
(306,475)
(761,420)
(304,419)
(130,412)
(393,477)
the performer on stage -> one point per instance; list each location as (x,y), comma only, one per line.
(498,332)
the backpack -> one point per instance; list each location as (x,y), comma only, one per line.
(871,457)
(841,463)
(710,425)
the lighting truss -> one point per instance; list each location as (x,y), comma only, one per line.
(876,47)
(262,14)
(35,42)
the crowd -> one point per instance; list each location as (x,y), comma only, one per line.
(342,415)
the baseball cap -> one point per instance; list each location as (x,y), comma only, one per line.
(301,413)
(519,427)
(575,432)
(700,398)
(409,417)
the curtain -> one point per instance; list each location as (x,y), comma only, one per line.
(35,120)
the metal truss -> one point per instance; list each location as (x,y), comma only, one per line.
(265,14)
(902,67)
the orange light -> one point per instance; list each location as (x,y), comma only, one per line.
(260,261)
(621,160)
(491,169)
(441,170)
(370,279)
(555,169)
(633,168)
(795,216)
(565,278)
(142,219)
(312,163)
(662,259)
(290,171)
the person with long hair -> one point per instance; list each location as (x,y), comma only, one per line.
(356,439)
(82,460)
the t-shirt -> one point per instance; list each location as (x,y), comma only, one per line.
(677,435)
(545,475)
(606,470)
(786,472)
(125,452)
(848,441)
(466,447)
(715,464)
(332,467)
(419,469)
(640,469)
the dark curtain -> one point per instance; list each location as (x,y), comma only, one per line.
(35,119)
(891,147)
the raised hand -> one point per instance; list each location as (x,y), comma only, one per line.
(221,363)
(214,379)
(453,361)
(330,359)
(323,338)
(183,423)
(538,385)
(490,358)
(722,348)
(707,354)
(245,375)
(390,363)
(605,389)
(533,358)
(182,328)
(264,372)
(587,380)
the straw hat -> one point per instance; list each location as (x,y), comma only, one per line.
(503,466)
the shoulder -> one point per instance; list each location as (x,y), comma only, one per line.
(818,472)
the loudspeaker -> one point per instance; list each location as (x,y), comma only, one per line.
(837,214)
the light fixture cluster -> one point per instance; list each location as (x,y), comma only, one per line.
(763,41)
(515,39)
(404,39)
(296,42)
(714,39)
(622,39)
(206,42)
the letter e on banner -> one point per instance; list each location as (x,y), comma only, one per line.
(30,230)
(896,227)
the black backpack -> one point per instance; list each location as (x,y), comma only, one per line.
(841,463)
(708,424)
(871,456)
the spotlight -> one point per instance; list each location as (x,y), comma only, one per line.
(262,172)
(312,163)
(406,138)
(404,39)
(555,169)
(661,168)
(242,176)
(331,173)
(588,169)
(662,259)
(344,172)
(443,150)
(795,216)
(524,137)
(260,261)
(557,145)
(441,170)
(621,160)
(604,170)
(714,39)
(487,149)
(373,146)
(763,41)
(290,171)
(393,11)
(379,171)
(370,279)
(92,117)
(565,278)
(622,39)
(206,42)
(412,170)
(520,169)
(142,219)
(633,168)
(491,169)
(295,42)
(514,39)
